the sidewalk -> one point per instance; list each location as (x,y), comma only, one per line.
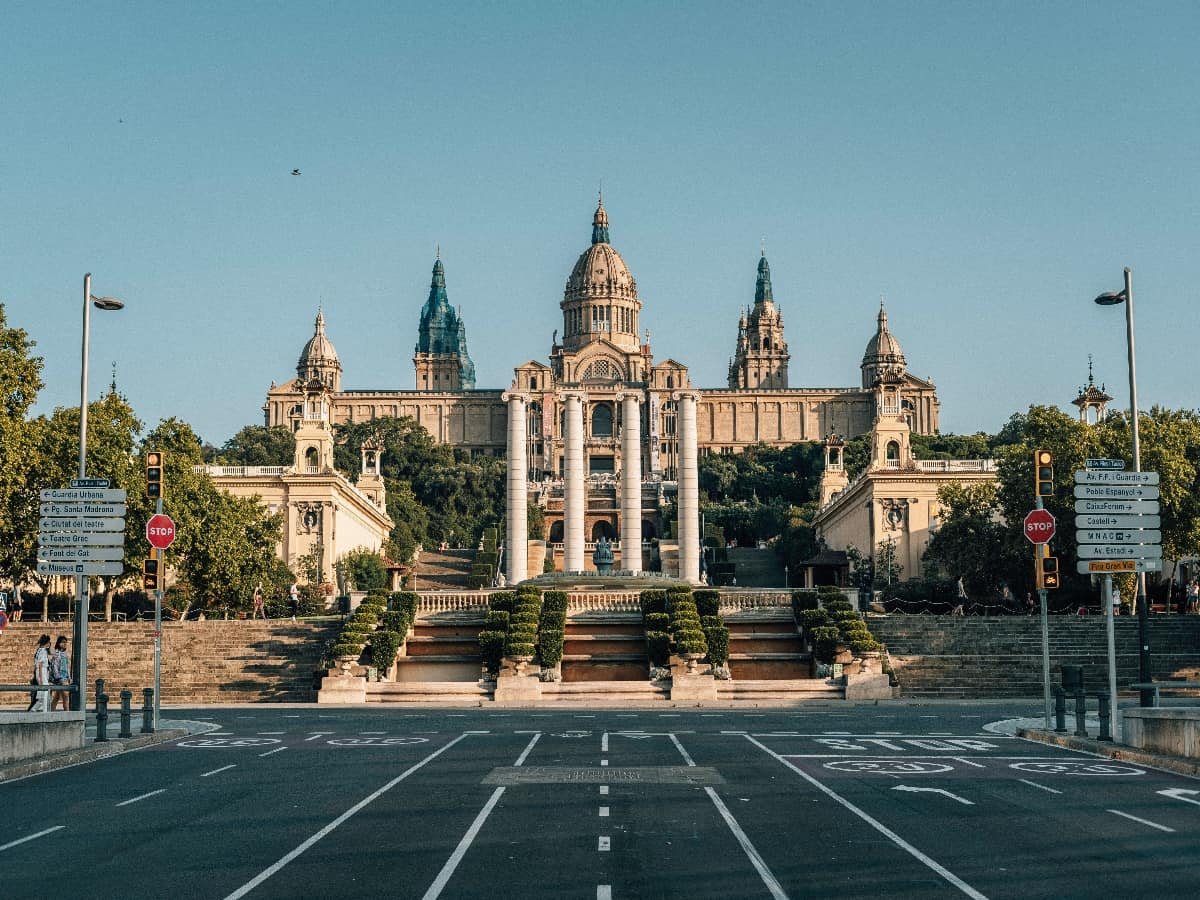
(168,730)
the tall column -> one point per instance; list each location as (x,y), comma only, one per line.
(575,490)
(631,481)
(689,488)
(516,536)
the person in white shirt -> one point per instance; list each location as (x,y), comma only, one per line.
(41,675)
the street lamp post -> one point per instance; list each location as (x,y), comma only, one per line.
(1113,298)
(80,631)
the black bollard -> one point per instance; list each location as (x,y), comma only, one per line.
(1105,717)
(101,716)
(1081,713)
(126,730)
(147,710)
(1060,710)
(99,691)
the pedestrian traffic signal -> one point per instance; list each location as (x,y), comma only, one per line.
(154,476)
(1048,572)
(1043,473)
(150,574)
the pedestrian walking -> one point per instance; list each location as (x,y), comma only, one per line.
(16,604)
(1029,603)
(60,673)
(1193,596)
(39,702)
(258,603)
(1116,600)
(294,599)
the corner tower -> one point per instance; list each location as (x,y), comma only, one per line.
(761,357)
(440,357)
(318,360)
(883,359)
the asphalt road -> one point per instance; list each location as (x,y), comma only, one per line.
(911,802)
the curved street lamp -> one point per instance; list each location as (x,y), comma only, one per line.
(1115,298)
(79,633)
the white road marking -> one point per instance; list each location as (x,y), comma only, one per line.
(357,807)
(292,717)
(928,790)
(141,797)
(604,812)
(276,750)
(768,878)
(604,762)
(604,892)
(444,876)
(627,715)
(587,716)
(1039,786)
(604,789)
(1178,794)
(967,762)
(733,732)
(219,733)
(367,732)
(604,844)
(1117,812)
(270,732)
(317,734)
(604,742)
(30,837)
(876,824)
(222,769)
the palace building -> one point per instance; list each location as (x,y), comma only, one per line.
(600,431)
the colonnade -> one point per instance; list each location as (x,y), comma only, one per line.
(575,484)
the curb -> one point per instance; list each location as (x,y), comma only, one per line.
(1177,764)
(89,753)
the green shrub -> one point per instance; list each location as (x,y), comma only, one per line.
(347,649)
(550,646)
(692,645)
(707,622)
(502,600)
(843,615)
(485,558)
(479,577)
(657,621)
(829,590)
(395,620)
(384,645)
(802,600)
(691,636)
(406,602)
(496,620)
(717,639)
(531,589)
(708,602)
(653,601)
(555,600)
(812,618)
(514,647)
(682,605)
(867,645)
(832,604)
(825,640)
(658,647)
(491,649)
(524,617)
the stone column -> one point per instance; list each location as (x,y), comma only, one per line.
(631,481)
(689,487)
(575,488)
(516,536)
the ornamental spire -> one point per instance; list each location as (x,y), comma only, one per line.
(762,289)
(600,223)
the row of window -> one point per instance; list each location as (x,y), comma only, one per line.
(597,319)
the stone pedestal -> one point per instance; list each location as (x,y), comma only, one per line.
(687,687)
(868,687)
(339,688)
(518,684)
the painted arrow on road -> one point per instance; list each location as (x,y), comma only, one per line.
(926,790)
(1178,794)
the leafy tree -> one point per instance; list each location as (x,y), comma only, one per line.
(364,569)
(973,541)
(20,444)
(259,445)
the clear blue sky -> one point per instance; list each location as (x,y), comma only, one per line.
(987,167)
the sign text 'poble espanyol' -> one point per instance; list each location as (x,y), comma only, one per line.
(1117,522)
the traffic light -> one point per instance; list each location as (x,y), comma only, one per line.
(1043,473)
(150,575)
(154,476)
(1048,572)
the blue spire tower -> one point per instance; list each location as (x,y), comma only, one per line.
(440,358)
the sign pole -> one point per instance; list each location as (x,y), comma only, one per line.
(1110,628)
(158,555)
(1045,616)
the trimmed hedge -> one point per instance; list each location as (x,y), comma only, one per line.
(825,640)
(552,628)
(491,648)
(658,647)
(708,602)
(809,619)
(657,621)
(502,600)
(384,645)
(496,620)
(717,639)
(653,601)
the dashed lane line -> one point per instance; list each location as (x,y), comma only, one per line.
(604,892)
(447,872)
(276,750)
(768,878)
(141,797)
(876,824)
(317,734)
(604,844)
(604,742)
(1041,787)
(31,837)
(1117,812)
(348,814)
(220,770)
(604,789)
(604,812)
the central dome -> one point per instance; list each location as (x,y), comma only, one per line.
(600,271)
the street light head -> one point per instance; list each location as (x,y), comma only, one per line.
(1111,298)
(107,303)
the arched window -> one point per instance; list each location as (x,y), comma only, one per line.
(892,452)
(533,382)
(311,457)
(766,343)
(602,420)
(670,382)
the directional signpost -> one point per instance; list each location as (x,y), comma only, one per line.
(82,529)
(1117,525)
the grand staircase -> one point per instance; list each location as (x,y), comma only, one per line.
(756,568)
(442,570)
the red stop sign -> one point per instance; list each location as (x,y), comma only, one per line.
(1039,526)
(160,531)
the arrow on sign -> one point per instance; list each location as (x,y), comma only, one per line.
(925,790)
(1178,794)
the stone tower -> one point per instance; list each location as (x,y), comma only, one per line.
(440,358)
(1092,401)
(318,360)
(760,360)
(883,359)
